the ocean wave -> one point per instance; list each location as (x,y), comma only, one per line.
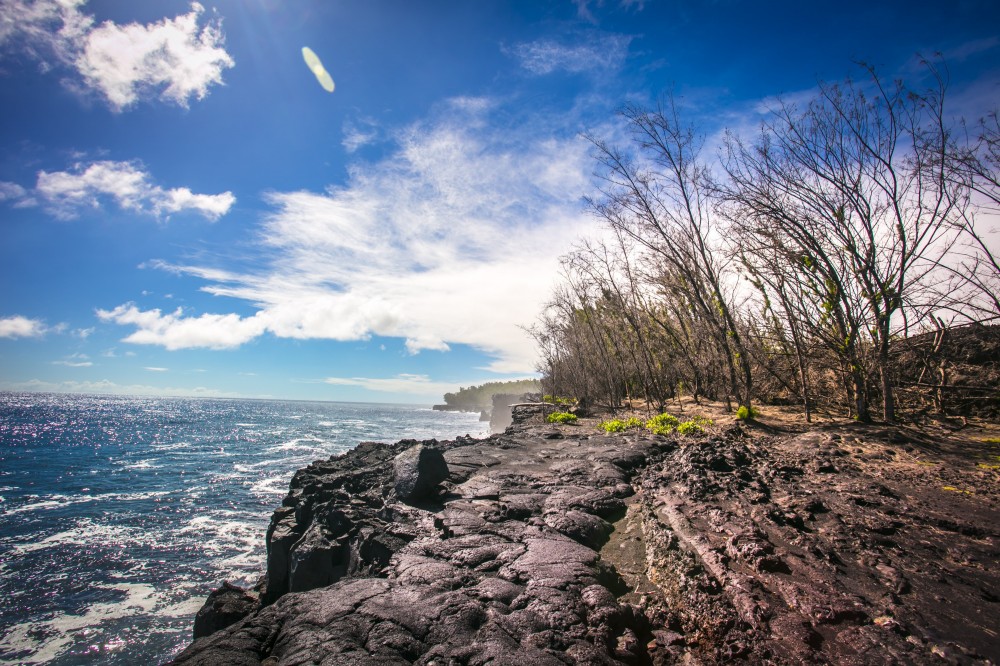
(62,501)
(173,446)
(84,533)
(275,485)
(246,468)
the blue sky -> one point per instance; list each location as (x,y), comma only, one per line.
(184,210)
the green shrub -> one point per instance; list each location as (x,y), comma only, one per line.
(743,414)
(662,424)
(617,425)
(693,427)
(561,417)
(558,400)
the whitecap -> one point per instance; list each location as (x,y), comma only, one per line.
(275,485)
(84,533)
(250,467)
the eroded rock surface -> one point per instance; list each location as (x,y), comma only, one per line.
(557,545)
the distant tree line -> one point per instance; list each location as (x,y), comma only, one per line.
(479,398)
(784,267)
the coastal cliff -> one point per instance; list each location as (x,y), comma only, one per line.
(555,544)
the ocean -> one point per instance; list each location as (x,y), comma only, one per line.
(118,515)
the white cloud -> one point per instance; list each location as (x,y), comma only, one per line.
(153,369)
(175,331)
(598,54)
(452,239)
(176,59)
(66,193)
(21,327)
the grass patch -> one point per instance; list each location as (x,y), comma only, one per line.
(694,426)
(619,425)
(561,417)
(744,414)
(662,424)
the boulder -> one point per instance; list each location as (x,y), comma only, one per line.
(225,606)
(418,471)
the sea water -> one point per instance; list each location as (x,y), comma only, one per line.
(118,515)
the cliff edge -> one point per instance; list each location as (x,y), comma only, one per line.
(558,545)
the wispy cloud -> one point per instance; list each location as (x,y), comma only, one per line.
(454,238)
(176,59)
(599,53)
(11,191)
(358,134)
(21,327)
(106,386)
(583,7)
(127,184)
(403,383)
(75,361)
(155,369)
(960,52)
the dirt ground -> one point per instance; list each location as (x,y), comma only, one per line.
(831,542)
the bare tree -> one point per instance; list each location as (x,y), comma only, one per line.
(655,195)
(855,186)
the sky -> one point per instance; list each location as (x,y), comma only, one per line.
(186,208)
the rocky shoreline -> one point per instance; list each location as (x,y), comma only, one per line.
(562,545)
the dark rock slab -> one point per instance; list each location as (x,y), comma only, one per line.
(225,606)
(418,472)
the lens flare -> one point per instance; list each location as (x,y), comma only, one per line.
(316,67)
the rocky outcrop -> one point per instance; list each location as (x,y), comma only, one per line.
(418,473)
(558,545)
(225,606)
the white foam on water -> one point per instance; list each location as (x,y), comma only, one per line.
(275,485)
(142,464)
(85,533)
(299,445)
(48,639)
(224,477)
(223,532)
(249,467)
(61,501)
(172,446)
(131,497)
(52,502)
